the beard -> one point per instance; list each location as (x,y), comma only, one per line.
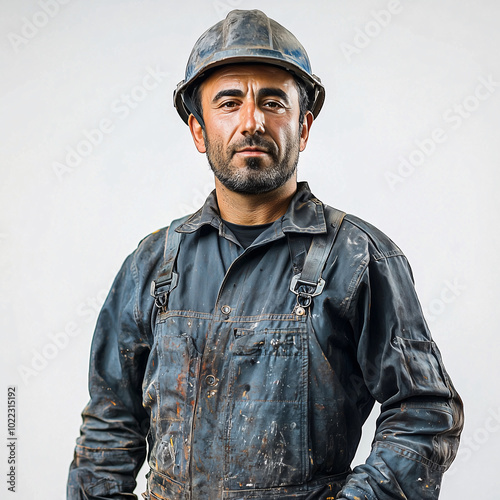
(254,177)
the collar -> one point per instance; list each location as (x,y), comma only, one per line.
(305,214)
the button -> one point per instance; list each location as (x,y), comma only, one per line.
(212,381)
(225,309)
(300,311)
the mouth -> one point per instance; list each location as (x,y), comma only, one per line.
(252,151)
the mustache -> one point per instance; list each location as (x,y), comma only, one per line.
(255,141)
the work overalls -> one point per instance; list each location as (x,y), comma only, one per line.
(230,391)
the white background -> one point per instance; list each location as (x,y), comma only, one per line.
(64,232)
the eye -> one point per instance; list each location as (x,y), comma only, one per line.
(228,104)
(274,105)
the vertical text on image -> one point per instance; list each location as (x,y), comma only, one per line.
(11,438)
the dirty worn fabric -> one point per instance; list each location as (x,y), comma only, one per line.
(239,397)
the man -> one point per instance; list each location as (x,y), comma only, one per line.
(274,321)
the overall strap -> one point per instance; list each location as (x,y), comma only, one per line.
(307,283)
(167,279)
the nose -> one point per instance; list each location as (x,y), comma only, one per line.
(252,119)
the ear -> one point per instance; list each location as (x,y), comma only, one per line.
(197,133)
(306,127)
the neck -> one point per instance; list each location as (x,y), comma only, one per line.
(252,209)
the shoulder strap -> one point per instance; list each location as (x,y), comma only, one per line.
(308,282)
(167,279)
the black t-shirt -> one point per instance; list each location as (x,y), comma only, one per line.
(246,235)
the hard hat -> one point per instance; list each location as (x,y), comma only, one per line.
(247,36)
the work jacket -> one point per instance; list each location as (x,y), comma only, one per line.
(246,384)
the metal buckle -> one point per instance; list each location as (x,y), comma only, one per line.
(160,288)
(296,282)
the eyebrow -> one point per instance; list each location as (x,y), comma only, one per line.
(264,92)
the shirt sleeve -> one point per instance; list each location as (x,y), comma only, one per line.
(112,443)
(421,416)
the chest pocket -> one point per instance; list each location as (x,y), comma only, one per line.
(267,425)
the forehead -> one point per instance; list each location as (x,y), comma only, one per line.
(244,75)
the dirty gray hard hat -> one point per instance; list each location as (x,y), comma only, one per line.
(247,36)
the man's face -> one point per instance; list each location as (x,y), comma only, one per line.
(252,133)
